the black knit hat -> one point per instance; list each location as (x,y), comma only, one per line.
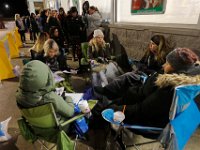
(181,59)
(156,39)
(73,9)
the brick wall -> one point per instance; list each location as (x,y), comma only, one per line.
(135,38)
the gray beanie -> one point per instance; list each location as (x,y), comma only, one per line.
(97,33)
(179,60)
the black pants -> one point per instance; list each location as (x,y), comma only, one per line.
(118,86)
(22,34)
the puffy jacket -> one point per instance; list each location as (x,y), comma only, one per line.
(36,87)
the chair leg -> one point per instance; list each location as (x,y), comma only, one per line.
(43,145)
(118,137)
(138,144)
(75,142)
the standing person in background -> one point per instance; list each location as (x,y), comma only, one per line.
(44,15)
(94,21)
(75,27)
(56,36)
(52,20)
(2,26)
(39,21)
(21,27)
(62,19)
(85,9)
(34,27)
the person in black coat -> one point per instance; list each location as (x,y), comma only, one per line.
(148,104)
(154,56)
(52,21)
(74,28)
(56,36)
(34,27)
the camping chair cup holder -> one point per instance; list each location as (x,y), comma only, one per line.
(183,109)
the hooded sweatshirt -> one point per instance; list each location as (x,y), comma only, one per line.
(36,87)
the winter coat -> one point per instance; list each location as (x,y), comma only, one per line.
(52,22)
(94,22)
(150,104)
(74,27)
(148,64)
(58,63)
(36,87)
(20,24)
(104,53)
(33,25)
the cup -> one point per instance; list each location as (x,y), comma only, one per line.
(118,116)
(84,107)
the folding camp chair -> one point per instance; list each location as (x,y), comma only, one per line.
(84,60)
(41,124)
(184,118)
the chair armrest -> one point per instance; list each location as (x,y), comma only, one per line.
(91,103)
(72,119)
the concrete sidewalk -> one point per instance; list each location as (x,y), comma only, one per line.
(9,27)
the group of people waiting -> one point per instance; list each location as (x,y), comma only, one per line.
(69,29)
(147,90)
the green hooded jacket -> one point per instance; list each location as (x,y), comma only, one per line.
(36,87)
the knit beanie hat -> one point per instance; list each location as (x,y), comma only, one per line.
(97,33)
(156,39)
(73,9)
(181,59)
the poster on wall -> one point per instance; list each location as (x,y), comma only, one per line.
(148,6)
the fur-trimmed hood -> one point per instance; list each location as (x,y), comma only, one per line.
(174,80)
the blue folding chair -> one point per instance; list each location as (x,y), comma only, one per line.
(184,117)
(181,126)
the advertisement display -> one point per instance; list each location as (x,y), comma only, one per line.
(148,6)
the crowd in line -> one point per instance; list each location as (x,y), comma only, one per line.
(65,28)
(146,90)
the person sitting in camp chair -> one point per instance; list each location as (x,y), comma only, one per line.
(57,63)
(36,87)
(99,54)
(45,114)
(148,104)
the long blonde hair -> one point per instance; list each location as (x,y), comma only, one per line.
(50,44)
(17,16)
(38,47)
(95,45)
